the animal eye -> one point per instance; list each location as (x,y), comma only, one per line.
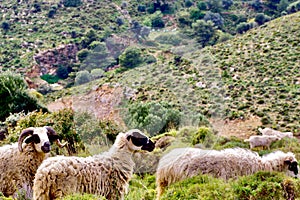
(36,139)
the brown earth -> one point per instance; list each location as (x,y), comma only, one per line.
(103,103)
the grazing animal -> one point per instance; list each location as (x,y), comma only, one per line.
(106,174)
(182,163)
(261,140)
(269,131)
(19,161)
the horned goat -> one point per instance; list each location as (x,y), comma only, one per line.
(105,174)
(269,131)
(261,140)
(19,161)
(182,163)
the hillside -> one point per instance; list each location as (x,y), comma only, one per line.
(253,77)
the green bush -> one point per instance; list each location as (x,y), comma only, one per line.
(203,135)
(199,187)
(131,57)
(153,117)
(50,78)
(169,38)
(261,185)
(83,77)
(14,96)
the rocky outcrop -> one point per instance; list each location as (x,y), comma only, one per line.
(49,60)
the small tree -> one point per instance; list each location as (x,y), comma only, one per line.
(203,31)
(216,18)
(14,96)
(261,18)
(83,77)
(131,57)
(242,27)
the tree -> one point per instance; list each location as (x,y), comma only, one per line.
(83,77)
(261,18)
(131,57)
(203,32)
(216,18)
(283,4)
(242,27)
(214,5)
(14,96)
(196,14)
(227,3)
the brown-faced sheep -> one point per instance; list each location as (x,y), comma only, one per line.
(182,163)
(106,174)
(19,161)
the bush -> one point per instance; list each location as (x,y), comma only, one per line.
(14,96)
(131,57)
(50,78)
(83,77)
(152,117)
(97,73)
(261,185)
(216,18)
(82,54)
(242,27)
(261,18)
(5,26)
(203,135)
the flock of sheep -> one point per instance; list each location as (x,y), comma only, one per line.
(27,167)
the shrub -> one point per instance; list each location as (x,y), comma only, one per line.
(216,18)
(14,96)
(261,18)
(153,117)
(82,54)
(203,32)
(131,57)
(169,38)
(203,135)
(83,77)
(97,73)
(50,78)
(261,185)
(242,27)
(5,26)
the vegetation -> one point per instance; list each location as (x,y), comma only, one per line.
(182,64)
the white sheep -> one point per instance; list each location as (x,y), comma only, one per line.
(182,163)
(19,161)
(269,131)
(106,174)
(261,140)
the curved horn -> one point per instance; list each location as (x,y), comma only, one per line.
(51,131)
(24,134)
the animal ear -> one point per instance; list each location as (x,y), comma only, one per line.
(128,137)
(52,138)
(288,162)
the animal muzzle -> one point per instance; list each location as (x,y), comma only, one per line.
(46,147)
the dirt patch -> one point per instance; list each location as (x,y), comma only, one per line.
(241,128)
(102,103)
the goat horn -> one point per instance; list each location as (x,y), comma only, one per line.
(51,131)
(24,134)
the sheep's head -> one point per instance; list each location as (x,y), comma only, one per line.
(40,137)
(139,141)
(292,166)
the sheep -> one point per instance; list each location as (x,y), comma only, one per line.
(261,140)
(269,131)
(19,161)
(106,174)
(182,163)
